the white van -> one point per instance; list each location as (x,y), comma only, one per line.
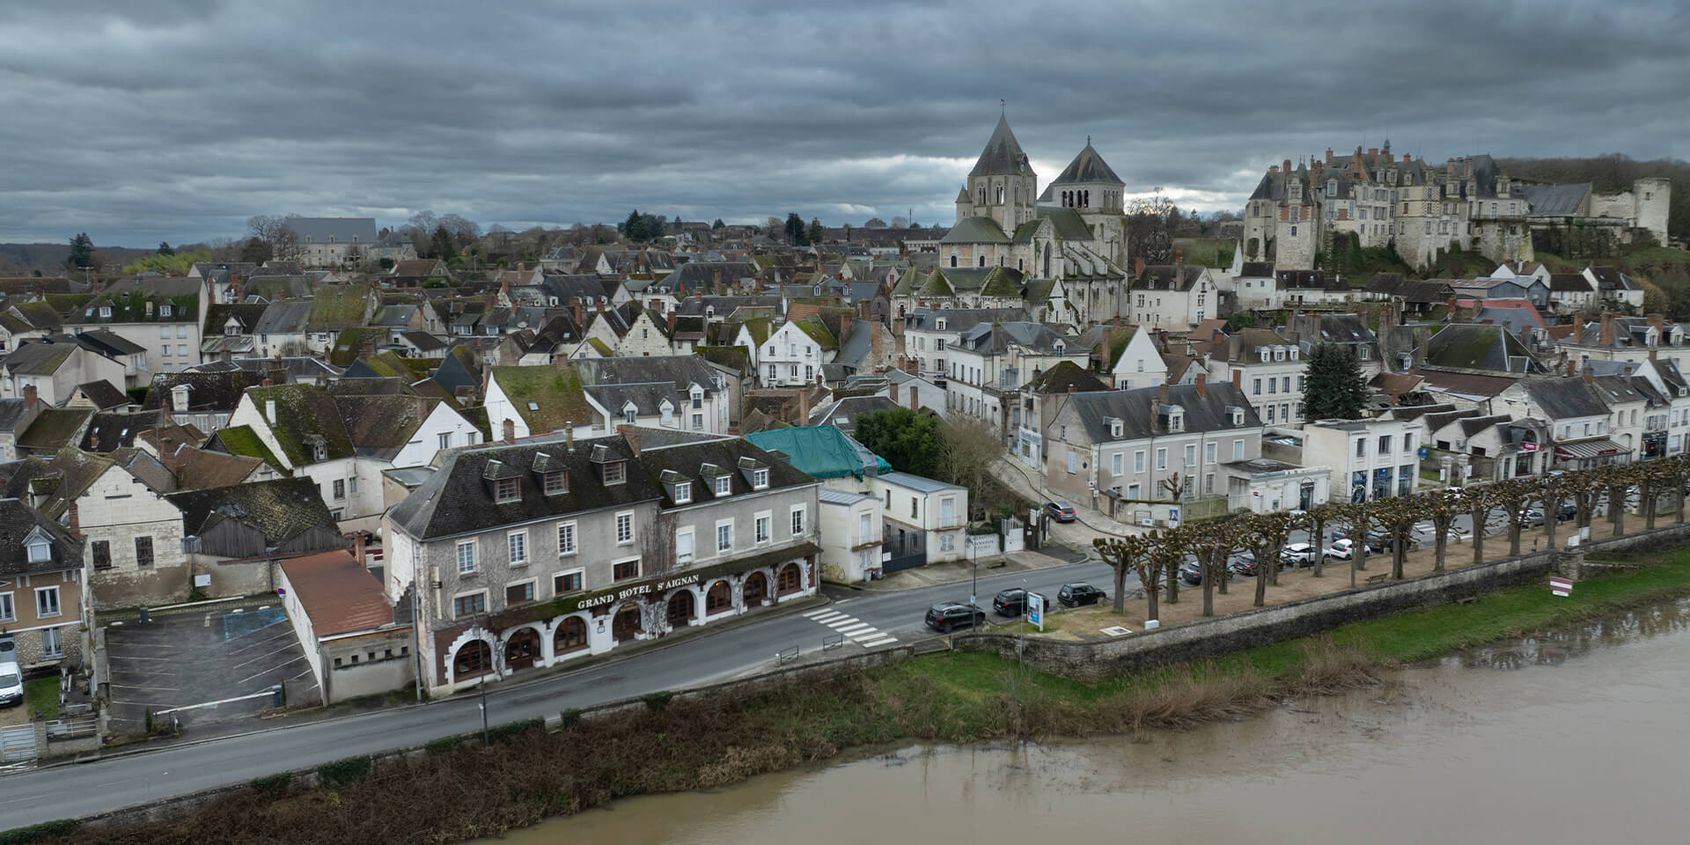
(11,683)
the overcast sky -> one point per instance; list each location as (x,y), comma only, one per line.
(142,121)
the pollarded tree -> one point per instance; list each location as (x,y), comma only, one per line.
(1267,533)
(1213,546)
(1479,499)
(1167,552)
(1335,388)
(1397,516)
(1174,485)
(1123,555)
(1586,488)
(1315,520)
(1515,495)
(1441,507)
(1618,478)
(1556,491)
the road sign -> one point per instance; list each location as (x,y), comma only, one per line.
(1173,517)
(1422,453)
(1559,586)
(1036,610)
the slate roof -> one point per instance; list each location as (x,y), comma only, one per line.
(38,356)
(247,315)
(281,509)
(1088,166)
(1067,222)
(333,230)
(1167,277)
(209,392)
(337,307)
(1556,200)
(1002,155)
(1478,347)
(1066,374)
(1564,398)
(19,522)
(128,301)
(54,428)
(1570,283)
(344,425)
(1135,409)
(975,230)
(284,318)
(198,469)
(109,432)
(1418,291)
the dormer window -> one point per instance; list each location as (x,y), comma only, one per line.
(939,324)
(1176,418)
(164,310)
(724,485)
(1264,354)
(630,415)
(697,398)
(1116,428)
(40,551)
(105,312)
(1237,416)
(759,479)
(683,492)
(555,483)
(615,472)
(507,490)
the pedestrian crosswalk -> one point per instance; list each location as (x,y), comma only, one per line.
(851,627)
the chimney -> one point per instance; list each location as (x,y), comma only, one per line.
(1138,267)
(671,323)
(266,382)
(804,405)
(164,412)
(1202,385)
(1162,394)
(1659,324)
(1238,378)
(75,521)
(270,410)
(1589,373)
(894,394)
(569,435)
(358,547)
(1273,168)
(509,431)
(630,434)
(1328,155)
(1572,368)
(29,397)
(575,308)
(1286,166)
(1607,338)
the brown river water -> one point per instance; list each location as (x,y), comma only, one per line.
(1579,736)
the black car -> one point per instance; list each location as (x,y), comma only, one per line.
(1075,595)
(949,616)
(1013,602)
(1568,510)
(1191,572)
(1244,564)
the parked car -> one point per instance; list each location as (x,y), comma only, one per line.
(1075,595)
(1244,564)
(11,684)
(1343,549)
(1061,511)
(949,616)
(1191,572)
(1532,518)
(1013,601)
(1296,554)
(1568,510)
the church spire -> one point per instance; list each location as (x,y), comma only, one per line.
(1003,155)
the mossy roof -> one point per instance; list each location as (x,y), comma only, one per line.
(128,303)
(732,357)
(1002,283)
(818,332)
(937,285)
(760,329)
(337,307)
(547,398)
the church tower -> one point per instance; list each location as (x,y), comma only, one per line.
(1002,185)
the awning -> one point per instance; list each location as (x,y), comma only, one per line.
(1587,449)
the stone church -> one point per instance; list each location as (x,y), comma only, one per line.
(1063,250)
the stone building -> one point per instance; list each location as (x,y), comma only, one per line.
(41,606)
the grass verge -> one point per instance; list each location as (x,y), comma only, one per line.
(462,791)
(42,696)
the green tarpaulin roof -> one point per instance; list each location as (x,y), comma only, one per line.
(820,450)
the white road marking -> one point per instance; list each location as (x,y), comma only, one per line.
(856,629)
(822,612)
(829,620)
(872,633)
(880,642)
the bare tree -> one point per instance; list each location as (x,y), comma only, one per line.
(1267,533)
(967,449)
(1214,546)
(275,232)
(1442,508)
(1123,555)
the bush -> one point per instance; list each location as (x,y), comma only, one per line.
(274,783)
(502,733)
(444,745)
(657,700)
(344,772)
(568,718)
(39,832)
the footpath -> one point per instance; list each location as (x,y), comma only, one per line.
(951,572)
(1090,524)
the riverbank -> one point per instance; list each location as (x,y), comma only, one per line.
(456,791)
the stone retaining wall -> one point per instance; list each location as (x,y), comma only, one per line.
(1092,661)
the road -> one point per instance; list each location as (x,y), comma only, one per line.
(81,790)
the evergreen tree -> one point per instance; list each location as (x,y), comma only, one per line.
(817,234)
(909,440)
(164,248)
(718,224)
(795,228)
(634,227)
(81,252)
(442,245)
(1335,387)
(256,250)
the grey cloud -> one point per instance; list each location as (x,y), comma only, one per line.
(179,120)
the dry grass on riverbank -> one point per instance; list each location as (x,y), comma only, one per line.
(463,792)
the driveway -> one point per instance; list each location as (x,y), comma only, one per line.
(204,667)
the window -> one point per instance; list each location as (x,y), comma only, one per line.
(505,490)
(764,527)
(555,483)
(1073,461)
(1191,454)
(1116,463)
(697,422)
(466,557)
(564,583)
(445,438)
(685,545)
(1138,461)
(470,605)
(47,602)
(724,536)
(519,593)
(517,541)
(1384,444)
(1209,453)
(683,492)
(760,479)
(143,551)
(630,415)
(615,472)
(624,528)
(724,485)
(1162,458)
(625,569)
(797,520)
(40,551)
(340,488)
(566,539)
(51,646)
(1238,450)
(8,608)
(1361,448)
(1255,387)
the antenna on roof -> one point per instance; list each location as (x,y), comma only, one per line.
(1003,107)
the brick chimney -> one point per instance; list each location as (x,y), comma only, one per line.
(894,393)
(1162,394)
(29,397)
(509,431)
(1589,373)
(1202,385)
(804,405)
(1607,336)
(632,435)
(358,547)
(1659,324)
(1138,267)
(671,319)
(1372,152)
(575,308)
(1238,379)
(75,519)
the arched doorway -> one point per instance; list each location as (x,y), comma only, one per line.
(522,649)
(756,589)
(474,658)
(626,626)
(718,598)
(571,635)
(681,607)
(791,580)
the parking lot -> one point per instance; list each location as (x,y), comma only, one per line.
(204,667)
